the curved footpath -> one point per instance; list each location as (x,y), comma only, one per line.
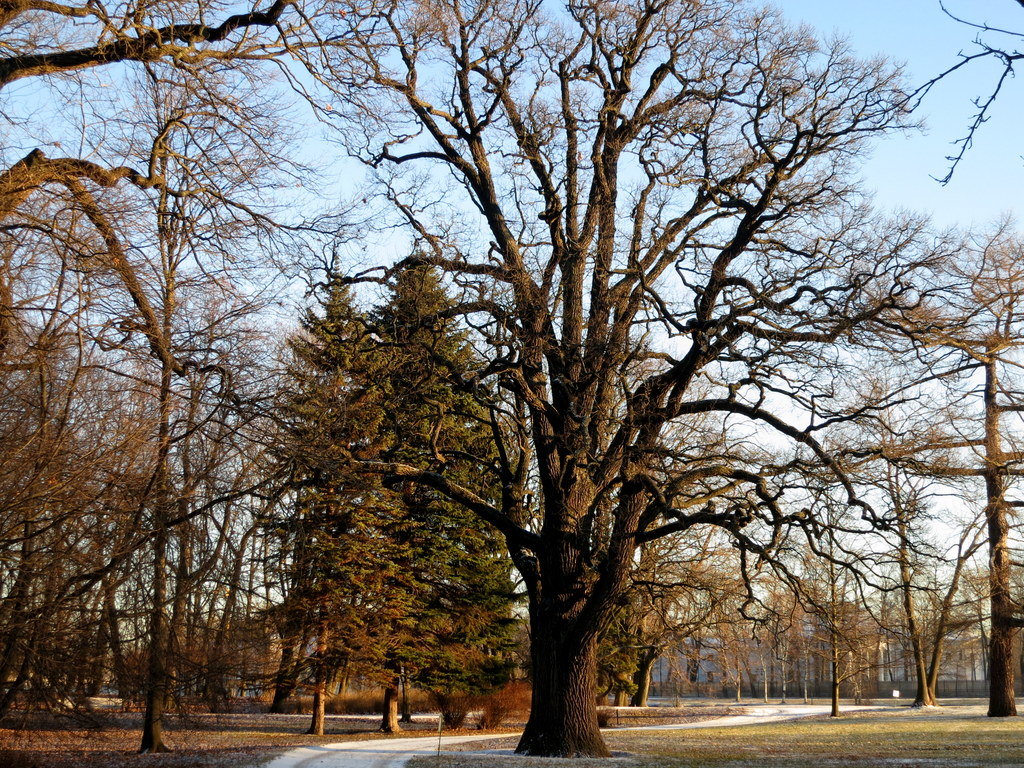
(394,753)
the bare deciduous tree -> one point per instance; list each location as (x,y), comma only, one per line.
(651,219)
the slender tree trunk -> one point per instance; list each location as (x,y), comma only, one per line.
(764,682)
(285,680)
(835,675)
(642,678)
(924,696)
(112,630)
(216,684)
(389,720)
(948,599)
(15,650)
(933,674)
(14,687)
(157,687)
(179,600)
(1002,702)
(158,684)
(316,726)
(783,672)
(806,679)
(406,711)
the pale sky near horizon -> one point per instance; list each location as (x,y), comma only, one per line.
(990,180)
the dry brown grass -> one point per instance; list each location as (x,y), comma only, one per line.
(198,741)
(948,737)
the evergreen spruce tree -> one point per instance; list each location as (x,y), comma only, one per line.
(391,580)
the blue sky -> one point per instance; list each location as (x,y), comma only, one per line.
(990,180)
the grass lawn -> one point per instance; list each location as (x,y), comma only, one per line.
(959,736)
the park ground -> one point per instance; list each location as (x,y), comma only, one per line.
(957,736)
(109,739)
(897,737)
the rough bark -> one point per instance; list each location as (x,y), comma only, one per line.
(563,714)
(1002,702)
(389,720)
(316,726)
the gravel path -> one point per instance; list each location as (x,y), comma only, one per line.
(379,753)
(394,753)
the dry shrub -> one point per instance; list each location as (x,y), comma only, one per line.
(296,705)
(454,707)
(605,717)
(513,698)
(355,703)
(370,702)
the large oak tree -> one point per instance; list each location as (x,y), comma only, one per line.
(652,214)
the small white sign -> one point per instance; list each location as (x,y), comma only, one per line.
(895,693)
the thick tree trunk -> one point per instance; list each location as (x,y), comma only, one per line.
(1002,702)
(563,714)
(389,721)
